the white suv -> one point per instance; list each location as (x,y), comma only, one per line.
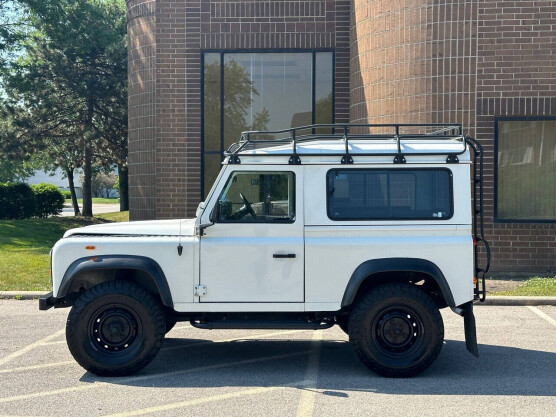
(365,226)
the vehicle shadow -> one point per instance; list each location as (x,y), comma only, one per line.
(500,370)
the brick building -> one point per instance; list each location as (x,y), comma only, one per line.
(201,71)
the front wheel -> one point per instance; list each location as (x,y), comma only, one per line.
(115,328)
(396,330)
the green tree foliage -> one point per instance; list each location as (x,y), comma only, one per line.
(67,90)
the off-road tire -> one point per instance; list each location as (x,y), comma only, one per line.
(115,328)
(396,330)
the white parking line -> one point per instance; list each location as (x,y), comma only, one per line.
(122,381)
(33,367)
(197,401)
(30,347)
(306,403)
(543,315)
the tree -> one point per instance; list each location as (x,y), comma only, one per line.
(69,83)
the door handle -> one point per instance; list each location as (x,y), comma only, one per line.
(284,255)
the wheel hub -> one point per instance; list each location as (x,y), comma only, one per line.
(114,329)
(397,330)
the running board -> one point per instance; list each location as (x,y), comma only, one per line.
(262,324)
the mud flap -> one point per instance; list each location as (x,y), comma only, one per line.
(470,329)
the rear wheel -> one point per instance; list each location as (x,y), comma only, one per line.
(115,328)
(396,330)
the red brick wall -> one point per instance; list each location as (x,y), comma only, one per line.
(183,28)
(408,61)
(413,61)
(516,76)
(141,106)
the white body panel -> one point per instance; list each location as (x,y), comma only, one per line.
(235,261)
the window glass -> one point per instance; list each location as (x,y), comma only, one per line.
(266,91)
(258,197)
(323,89)
(211,89)
(526,180)
(389,194)
(261,91)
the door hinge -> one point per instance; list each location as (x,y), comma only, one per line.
(200,290)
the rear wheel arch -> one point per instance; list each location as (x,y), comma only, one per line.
(421,272)
(85,273)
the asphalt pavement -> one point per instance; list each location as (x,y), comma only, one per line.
(282,373)
(67,211)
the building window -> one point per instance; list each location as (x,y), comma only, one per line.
(389,194)
(261,91)
(525,169)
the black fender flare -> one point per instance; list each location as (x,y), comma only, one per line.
(141,263)
(373,266)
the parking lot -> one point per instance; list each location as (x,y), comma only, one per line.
(281,373)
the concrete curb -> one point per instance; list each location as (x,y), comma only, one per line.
(491,300)
(22,295)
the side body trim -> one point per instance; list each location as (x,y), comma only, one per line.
(370,267)
(119,262)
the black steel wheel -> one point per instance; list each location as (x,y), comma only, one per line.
(396,330)
(115,328)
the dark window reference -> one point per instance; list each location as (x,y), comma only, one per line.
(388,194)
(261,91)
(258,197)
(526,170)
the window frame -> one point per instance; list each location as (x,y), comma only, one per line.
(254,171)
(498,219)
(390,219)
(222,52)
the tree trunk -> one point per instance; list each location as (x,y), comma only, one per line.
(87,175)
(88,160)
(123,189)
(69,173)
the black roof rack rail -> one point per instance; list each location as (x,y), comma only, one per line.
(253,140)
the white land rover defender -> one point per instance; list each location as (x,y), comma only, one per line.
(369,227)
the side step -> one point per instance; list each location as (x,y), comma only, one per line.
(263,324)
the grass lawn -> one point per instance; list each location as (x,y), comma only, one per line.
(25,246)
(117,216)
(96,200)
(535,286)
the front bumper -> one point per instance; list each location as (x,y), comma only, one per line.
(47,301)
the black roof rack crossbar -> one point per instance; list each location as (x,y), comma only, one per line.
(252,140)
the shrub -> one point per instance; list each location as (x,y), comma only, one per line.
(66,194)
(17,201)
(49,199)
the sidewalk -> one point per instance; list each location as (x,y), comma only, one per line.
(491,300)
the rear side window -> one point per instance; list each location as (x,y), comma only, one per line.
(389,194)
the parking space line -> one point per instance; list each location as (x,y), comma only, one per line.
(306,403)
(30,347)
(164,349)
(33,367)
(198,401)
(122,381)
(543,315)
(58,342)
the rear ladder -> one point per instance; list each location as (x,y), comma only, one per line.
(478,220)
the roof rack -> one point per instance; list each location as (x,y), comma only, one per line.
(253,140)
